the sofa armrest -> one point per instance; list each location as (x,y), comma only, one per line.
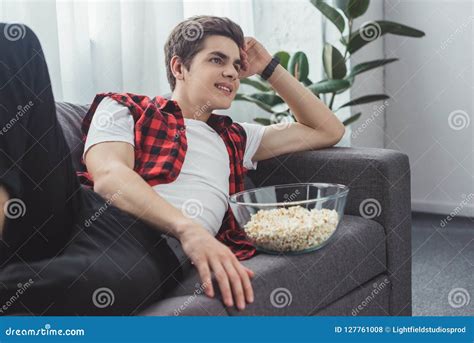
(377,179)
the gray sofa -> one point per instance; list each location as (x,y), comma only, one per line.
(365,270)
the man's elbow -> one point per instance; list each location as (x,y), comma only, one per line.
(108,178)
(103,185)
(337,136)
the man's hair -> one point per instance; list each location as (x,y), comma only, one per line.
(187,39)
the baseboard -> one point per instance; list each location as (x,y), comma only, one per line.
(444,208)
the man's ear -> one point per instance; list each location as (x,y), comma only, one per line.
(177,67)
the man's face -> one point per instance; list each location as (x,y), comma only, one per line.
(213,78)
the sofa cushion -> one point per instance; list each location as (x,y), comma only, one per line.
(355,255)
(369,299)
(70,118)
(187,305)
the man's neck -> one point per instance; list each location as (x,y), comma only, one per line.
(191,111)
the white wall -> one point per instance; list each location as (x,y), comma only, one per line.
(433,79)
(368,130)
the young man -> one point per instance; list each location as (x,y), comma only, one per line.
(155,160)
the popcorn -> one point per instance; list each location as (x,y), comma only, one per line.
(291,229)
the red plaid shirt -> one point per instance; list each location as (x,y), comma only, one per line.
(161,145)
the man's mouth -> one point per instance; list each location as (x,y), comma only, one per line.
(225,88)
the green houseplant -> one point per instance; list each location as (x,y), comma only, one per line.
(338,78)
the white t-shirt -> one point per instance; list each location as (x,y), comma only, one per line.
(201,190)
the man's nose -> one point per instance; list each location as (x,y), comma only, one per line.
(231,72)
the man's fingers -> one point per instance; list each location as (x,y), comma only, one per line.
(205,275)
(244,61)
(236,283)
(250,272)
(223,281)
(244,275)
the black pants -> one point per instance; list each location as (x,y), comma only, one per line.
(65,250)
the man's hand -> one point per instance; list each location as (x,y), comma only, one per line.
(254,58)
(4,197)
(208,254)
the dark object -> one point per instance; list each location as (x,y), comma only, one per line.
(268,71)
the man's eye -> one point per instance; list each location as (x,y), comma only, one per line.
(216,59)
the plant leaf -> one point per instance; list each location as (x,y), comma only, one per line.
(350,78)
(263,121)
(356,8)
(365,99)
(333,62)
(255,84)
(244,97)
(307,82)
(283,107)
(269,99)
(362,67)
(329,86)
(353,8)
(342,5)
(284,57)
(375,29)
(331,13)
(351,119)
(298,66)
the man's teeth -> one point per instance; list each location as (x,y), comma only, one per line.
(224,88)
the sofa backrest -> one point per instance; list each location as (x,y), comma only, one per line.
(70,118)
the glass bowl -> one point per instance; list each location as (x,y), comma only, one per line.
(293,218)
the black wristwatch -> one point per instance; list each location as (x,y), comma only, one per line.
(268,71)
